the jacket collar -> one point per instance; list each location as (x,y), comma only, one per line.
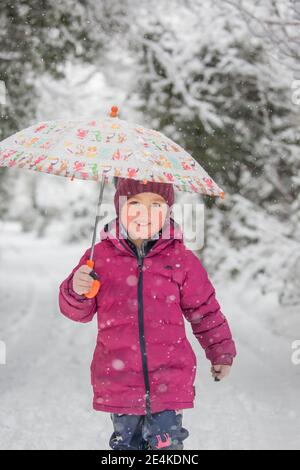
(115,232)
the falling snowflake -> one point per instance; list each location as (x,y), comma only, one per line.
(118,364)
(162,388)
(132,280)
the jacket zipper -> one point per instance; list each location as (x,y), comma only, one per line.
(140,258)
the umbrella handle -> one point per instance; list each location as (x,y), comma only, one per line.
(96,283)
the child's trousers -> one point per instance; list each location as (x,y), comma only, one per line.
(161,430)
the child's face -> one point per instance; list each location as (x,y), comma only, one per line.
(143,215)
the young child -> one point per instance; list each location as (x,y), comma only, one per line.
(143,368)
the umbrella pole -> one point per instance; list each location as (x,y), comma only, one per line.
(90,262)
(102,184)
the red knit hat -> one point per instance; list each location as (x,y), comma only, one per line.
(130,187)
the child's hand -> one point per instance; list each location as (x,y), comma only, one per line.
(82,281)
(219,372)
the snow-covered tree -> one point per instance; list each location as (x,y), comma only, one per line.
(38,37)
(37,40)
(210,84)
(207,82)
(276,22)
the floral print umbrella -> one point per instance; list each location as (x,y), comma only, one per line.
(108,147)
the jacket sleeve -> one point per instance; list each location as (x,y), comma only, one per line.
(74,306)
(201,308)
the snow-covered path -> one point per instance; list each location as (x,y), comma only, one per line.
(46,396)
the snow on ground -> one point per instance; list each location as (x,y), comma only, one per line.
(46,396)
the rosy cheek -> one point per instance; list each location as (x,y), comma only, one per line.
(128,215)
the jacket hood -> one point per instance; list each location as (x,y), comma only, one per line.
(115,232)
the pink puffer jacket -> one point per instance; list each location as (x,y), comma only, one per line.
(143,362)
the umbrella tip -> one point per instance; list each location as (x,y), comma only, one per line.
(114,111)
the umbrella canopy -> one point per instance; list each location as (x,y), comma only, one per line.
(109,146)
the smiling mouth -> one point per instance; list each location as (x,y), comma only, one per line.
(142,225)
